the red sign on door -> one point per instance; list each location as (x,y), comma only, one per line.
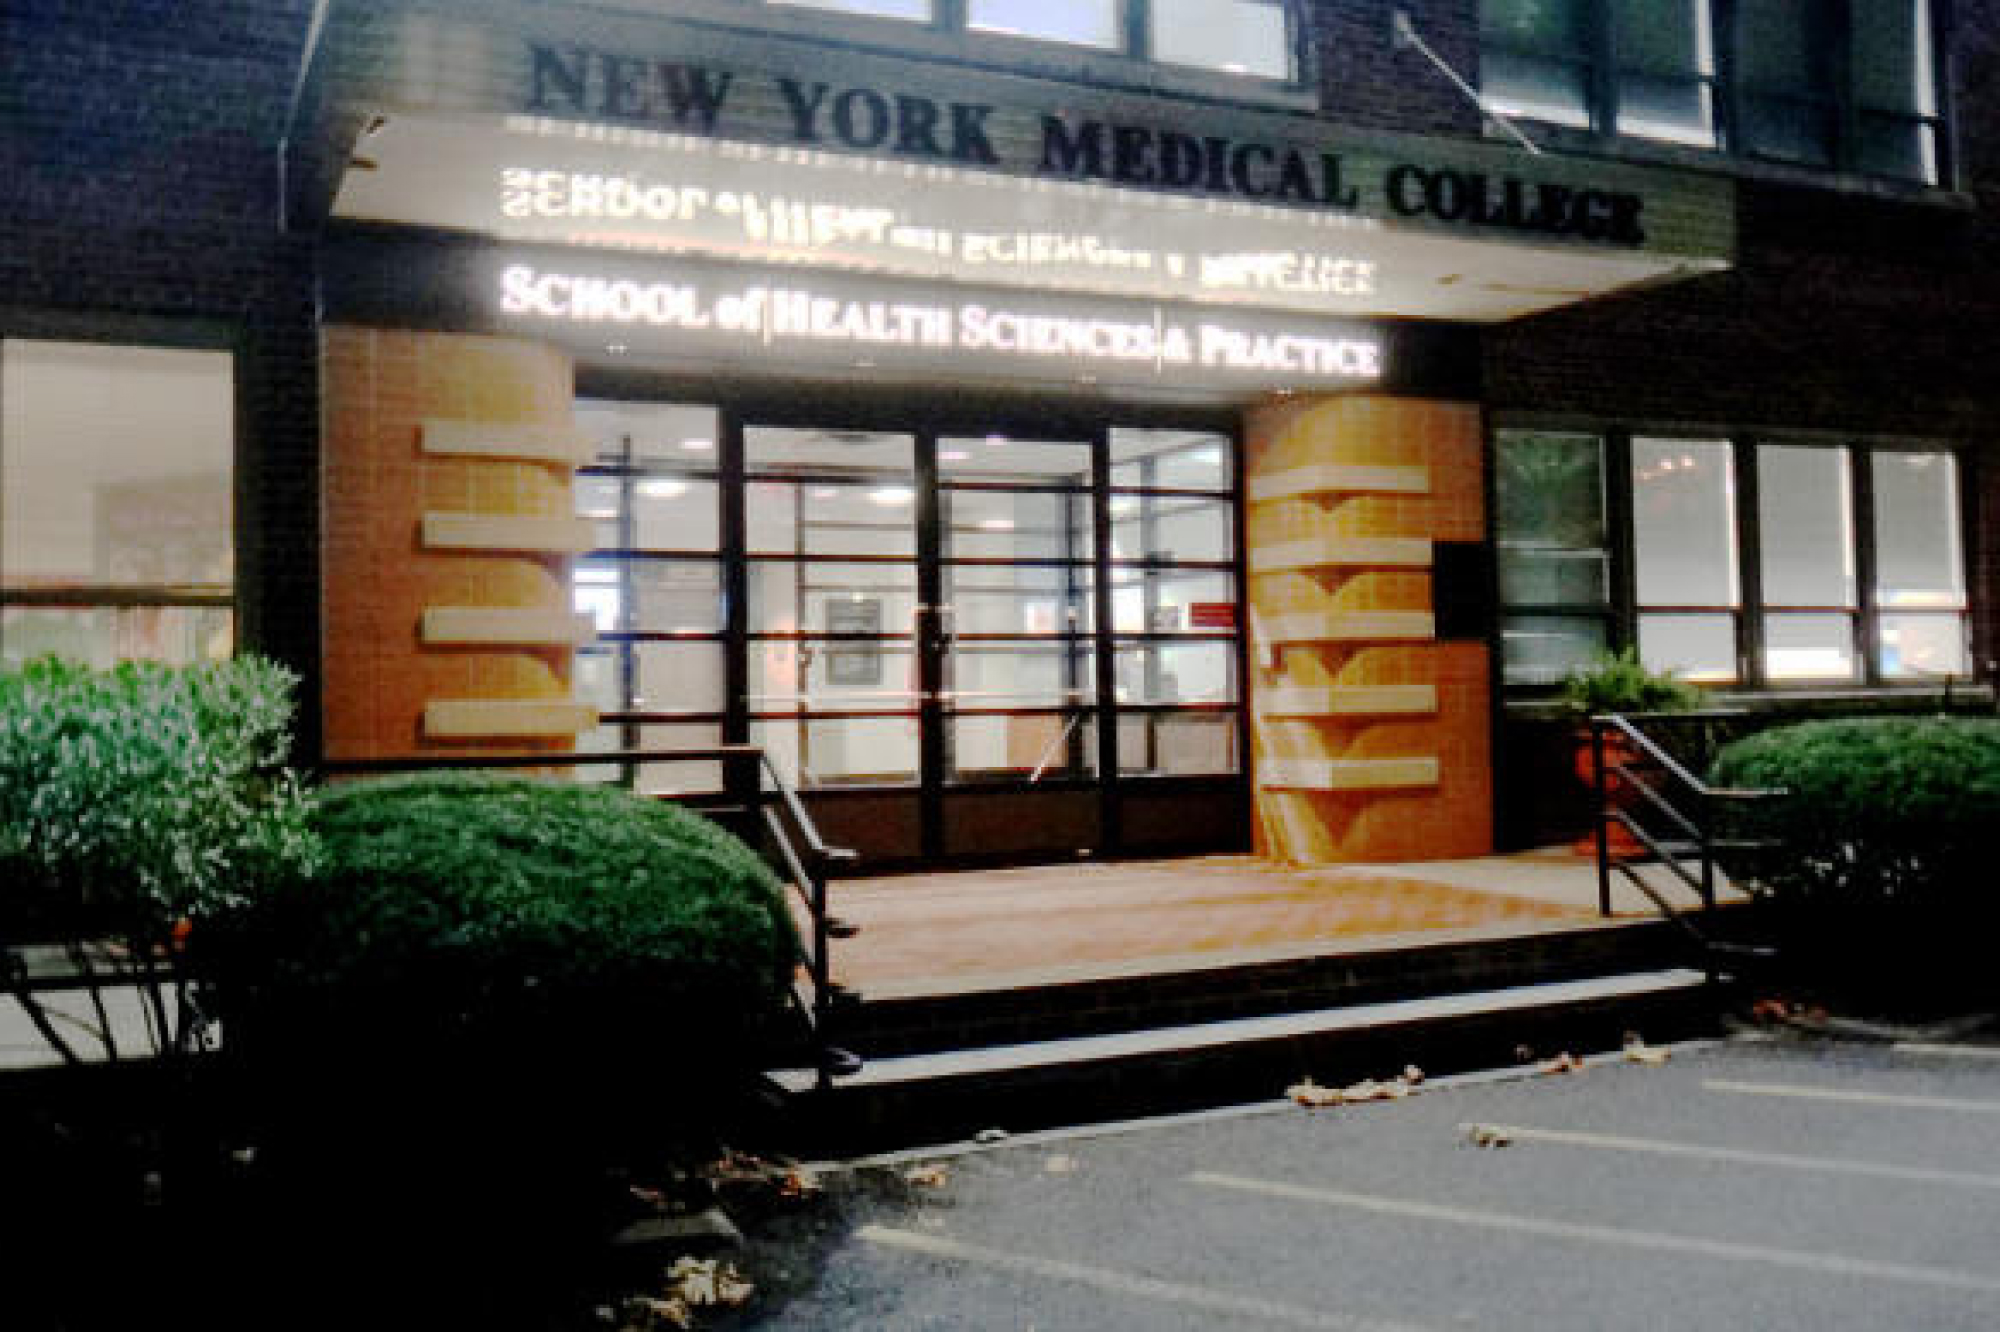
(1212,615)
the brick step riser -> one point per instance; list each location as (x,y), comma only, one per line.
(924,1024)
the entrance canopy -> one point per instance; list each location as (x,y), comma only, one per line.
(1351,235)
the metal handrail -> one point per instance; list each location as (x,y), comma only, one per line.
(807,875)
(1698,827)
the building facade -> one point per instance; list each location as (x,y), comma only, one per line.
(1130,427)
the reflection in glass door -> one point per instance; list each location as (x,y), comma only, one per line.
(1016,552)
(834,685)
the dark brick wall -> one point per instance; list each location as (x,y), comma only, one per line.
(1365,83)
(139,150)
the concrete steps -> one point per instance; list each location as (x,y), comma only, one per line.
(945,1066)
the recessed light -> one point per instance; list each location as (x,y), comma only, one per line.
(890,497)
(662,488)
(952,455)
(996,524)
(697,445)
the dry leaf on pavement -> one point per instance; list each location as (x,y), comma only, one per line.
(1488,1135)
(1311,1095)
(701,1282)
(1638,1052)
(799,1183)
(932,1176)
(1563,1063)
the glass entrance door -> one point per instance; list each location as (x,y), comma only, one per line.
(836,683)
(957,644)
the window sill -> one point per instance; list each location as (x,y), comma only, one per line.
(1805,701)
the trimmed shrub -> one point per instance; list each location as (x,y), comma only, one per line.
(141,804)
(472,923)
(1880,813)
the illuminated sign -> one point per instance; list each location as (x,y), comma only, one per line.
(700,99)
(739,199)
(837,320)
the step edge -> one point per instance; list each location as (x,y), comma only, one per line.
(1079,1051)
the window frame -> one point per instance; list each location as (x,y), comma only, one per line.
(948,34)
(151,333)
(1840,102)
(1624,611)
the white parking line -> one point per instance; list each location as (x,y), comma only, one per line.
(1125,1283)
(1950,1051)
(1631,1239)
(1739,1156)
(1849,1097)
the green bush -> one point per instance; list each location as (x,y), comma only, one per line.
(468,921)
(142,803)
(1881,812)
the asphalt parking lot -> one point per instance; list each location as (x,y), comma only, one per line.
(1752,1183)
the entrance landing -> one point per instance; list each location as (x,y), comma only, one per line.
(955,933)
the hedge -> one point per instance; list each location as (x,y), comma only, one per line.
(464,918)
(1879,812)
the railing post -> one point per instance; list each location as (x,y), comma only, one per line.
(1603,794)
(822,969)
(1706,820)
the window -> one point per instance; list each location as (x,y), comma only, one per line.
(1785,54)
(1844,84)
(916,10)
(1735,561)
(116,466)
(1805,533)
(653,587)
(1684,556)
(1536,59)
(1919,566)
(1895,89)
(1555,557)
(1256,38)
(1173,599)
(1665,70)
(1078,22)
(1234,36)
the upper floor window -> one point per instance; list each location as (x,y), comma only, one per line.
(1843,84)
(1249,37)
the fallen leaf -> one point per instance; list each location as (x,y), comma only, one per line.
(932,1176)
(645,1312)
(697,1283)
(1413,1075)
(799,1183)
(1770,1010)
(1563,1063)
(1311,1095)
(1638,1052)
(1487,1135)
(1368,1089)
